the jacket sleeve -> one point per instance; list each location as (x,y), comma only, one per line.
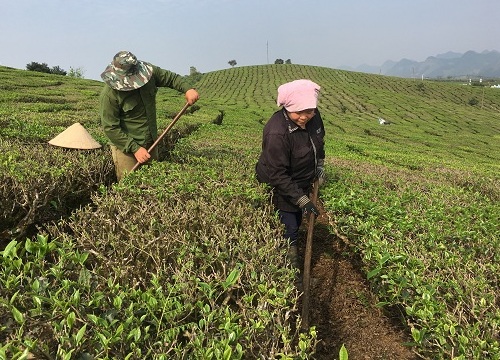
(110,121)
(166,78)
(321,148)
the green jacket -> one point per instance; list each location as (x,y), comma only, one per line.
(129,117)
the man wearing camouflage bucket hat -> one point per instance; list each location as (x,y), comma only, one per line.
(128,108)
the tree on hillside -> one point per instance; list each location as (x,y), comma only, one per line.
(34,66)
(232,62)
(76,73)
(57,70)
(278,61)
(43,67)
(193,77)
(288,61)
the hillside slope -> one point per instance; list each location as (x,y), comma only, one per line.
(447,123)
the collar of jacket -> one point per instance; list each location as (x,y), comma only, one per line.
(291,125)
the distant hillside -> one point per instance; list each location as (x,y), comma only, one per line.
(448,65)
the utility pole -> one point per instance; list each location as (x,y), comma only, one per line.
(482,97)
(267,45)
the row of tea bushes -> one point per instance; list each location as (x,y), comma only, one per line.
(40,182)
(429,242)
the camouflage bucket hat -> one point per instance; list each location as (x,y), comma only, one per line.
(126,73)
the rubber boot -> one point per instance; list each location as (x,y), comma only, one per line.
(293,257)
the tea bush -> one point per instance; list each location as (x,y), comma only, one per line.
(40,183)
(429,246)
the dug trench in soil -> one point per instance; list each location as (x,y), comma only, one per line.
(342,307)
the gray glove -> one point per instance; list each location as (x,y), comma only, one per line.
(307,205)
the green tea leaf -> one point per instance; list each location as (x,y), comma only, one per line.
(10,248)
(18,316)
(80,334)
(343,355)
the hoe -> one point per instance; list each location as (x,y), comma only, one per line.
(163,133)
(307,261)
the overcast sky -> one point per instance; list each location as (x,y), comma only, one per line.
(206,34)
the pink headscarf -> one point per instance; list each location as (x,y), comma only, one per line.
(298,95)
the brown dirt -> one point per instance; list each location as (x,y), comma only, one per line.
(342,307)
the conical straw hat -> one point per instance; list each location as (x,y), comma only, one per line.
(75,137)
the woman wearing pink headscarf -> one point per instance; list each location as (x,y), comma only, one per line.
(293,155)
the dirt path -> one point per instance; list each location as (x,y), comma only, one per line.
(342,307)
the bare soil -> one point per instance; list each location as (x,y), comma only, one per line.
(342,307)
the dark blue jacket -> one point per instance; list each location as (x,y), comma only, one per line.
(289,158)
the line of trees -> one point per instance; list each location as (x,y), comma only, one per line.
(277,61)
(56,70)
(281,61)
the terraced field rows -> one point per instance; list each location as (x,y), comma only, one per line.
(416,202)
(429,115)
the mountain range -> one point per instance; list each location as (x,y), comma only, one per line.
(450,65)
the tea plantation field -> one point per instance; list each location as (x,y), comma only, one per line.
(184,258)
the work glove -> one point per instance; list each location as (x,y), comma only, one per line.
(320,172)
(307,205)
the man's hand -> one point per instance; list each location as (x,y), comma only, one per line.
(142,155)
(307,205)
(192,96)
